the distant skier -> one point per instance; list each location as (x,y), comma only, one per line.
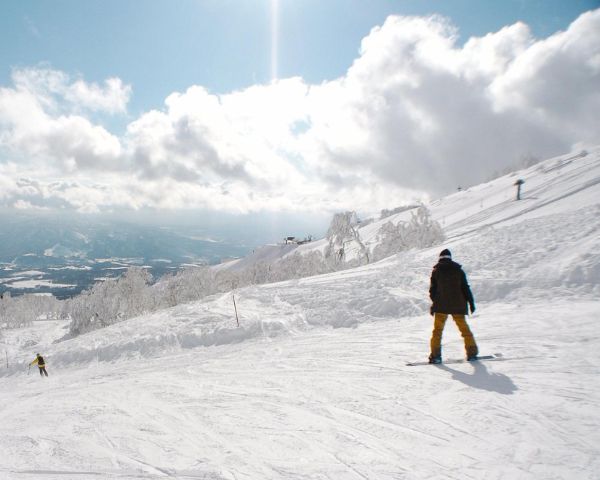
(450,294)
(40,363)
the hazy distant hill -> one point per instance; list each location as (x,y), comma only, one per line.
(67,255)
(50,240)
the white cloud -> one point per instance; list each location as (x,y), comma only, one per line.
(557,81)
(415,114)
(112,97)
(56,89)
(37,124)
(423,112)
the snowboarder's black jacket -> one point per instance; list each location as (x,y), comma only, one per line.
(449,289)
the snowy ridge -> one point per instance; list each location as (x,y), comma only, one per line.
(186,393)
(557,185)
(387,290)
(266,253)
(562,257)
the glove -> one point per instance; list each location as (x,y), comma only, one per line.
(472,308)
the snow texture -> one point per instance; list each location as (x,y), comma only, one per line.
(313,383)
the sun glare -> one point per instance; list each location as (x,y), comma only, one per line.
(274,37)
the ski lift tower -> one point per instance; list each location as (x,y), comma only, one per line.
(518,184)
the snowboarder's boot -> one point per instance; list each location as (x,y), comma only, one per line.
(435,357)
(472,353)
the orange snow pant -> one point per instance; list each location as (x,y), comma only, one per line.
(439,320)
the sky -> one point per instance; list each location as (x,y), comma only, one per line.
(304,106)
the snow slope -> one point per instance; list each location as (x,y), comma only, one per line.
(313,383)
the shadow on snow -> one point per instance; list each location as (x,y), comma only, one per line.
(482,379)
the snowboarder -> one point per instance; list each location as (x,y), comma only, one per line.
(40,363)
(450,293)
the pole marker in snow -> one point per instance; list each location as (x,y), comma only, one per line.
(235,307)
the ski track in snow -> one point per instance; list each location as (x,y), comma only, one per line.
(313,384)
(324,404)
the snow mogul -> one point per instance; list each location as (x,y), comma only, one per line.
(451,295)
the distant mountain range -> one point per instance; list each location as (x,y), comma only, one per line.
(50,254)
(54,240)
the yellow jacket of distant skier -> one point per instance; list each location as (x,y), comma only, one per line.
(39,360)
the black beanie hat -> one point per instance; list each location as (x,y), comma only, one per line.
(445,253)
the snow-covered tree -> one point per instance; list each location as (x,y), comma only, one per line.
(299,266)
(420,232)
(21,311)
(342,230)
(388,213)
(111,301)
(184,286)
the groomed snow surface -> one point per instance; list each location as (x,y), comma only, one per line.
(313,384)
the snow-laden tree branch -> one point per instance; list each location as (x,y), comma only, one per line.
(344,228)
(21,311)
(420,231)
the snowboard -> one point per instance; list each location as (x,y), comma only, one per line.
(457,360)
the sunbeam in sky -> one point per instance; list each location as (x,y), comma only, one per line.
(274,37)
